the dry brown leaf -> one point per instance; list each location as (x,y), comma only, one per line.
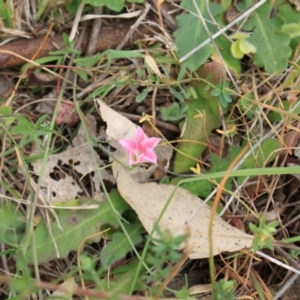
(62,185)
(148,200)
(68,287)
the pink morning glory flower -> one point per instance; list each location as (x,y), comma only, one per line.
(141,148)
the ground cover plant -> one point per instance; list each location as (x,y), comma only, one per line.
(149,149)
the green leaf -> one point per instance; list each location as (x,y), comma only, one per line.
(263,155)
(142,96)
(293,29)
(5,110)
(120,246)
(271,43)
(176,94)
(174,112)
(290,15)
(77,225)
(122,279)
(224,46)
(275,116)
(246,47)
(267,152)
(247,106)
(203,188)
(181,73)
(236,51)
(191,32)
(116,5)
(202,116)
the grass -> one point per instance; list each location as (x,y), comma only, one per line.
(56,237)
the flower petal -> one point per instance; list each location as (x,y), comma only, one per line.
(148,156)
(128,145)
(150,143)
(139,136)
(140,148)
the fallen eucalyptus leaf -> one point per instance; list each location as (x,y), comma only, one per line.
(148,200)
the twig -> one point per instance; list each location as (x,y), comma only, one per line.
(286,286)
(95,33)
(134,27)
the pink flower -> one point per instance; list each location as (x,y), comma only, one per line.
(140,148)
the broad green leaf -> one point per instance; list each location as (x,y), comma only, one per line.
(116,5)
(192,33)
(271,43)
(120,246)
(195,131)
(289,15)
(202,116)
(77,225)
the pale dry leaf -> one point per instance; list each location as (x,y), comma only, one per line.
(296,3)
(200,289)
(149,60)
(61,184)
(67,289)
(148,200)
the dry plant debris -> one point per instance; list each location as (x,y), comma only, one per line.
(217,82)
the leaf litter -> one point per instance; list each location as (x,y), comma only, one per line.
(247,108)
(65,171)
